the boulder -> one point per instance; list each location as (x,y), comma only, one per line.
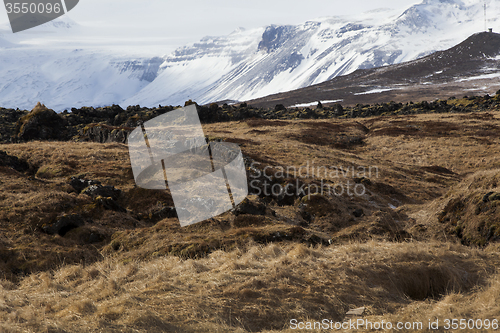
(250,205)
(41,124)
(98,190)
(358,213)
(80,184)
(94,189)
(288,195)
(109,204)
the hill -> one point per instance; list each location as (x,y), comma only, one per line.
(472,66)
(395,213)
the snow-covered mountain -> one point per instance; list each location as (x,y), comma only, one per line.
(259,62)
(472,66)
(71,78)
(244,65)
(44,64)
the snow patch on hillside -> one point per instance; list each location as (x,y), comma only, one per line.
(304,105)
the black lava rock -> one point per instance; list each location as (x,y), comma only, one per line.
(250,206)
(358,213)
(99,190)
(80,184)
(41,124)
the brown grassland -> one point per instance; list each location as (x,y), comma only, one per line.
(420,244)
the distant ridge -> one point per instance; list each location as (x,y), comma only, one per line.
(244,65)
(258,62)
(471,67)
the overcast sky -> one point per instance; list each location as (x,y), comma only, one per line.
(176,23)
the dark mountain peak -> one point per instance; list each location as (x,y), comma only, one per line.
(482,44)
(464,58)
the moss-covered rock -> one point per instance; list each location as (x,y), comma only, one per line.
(41,124)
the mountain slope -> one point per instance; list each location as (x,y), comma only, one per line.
(70,78)
(246,64)
(44,64)
(282,58)
(471,66)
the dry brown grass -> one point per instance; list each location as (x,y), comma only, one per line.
(259,288)
(256,122)
(255,273)
(34,199)
(465,211)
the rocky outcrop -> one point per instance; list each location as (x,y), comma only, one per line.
(250,205)
(109,203)
(114,124)
(104,133)
(80,184)
(8,121)
(94,189)
(158,213)
(41,124)
(99,190)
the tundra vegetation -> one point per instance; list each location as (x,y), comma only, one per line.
(413,237)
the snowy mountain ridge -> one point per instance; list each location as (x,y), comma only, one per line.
(291,57)
(243,65)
